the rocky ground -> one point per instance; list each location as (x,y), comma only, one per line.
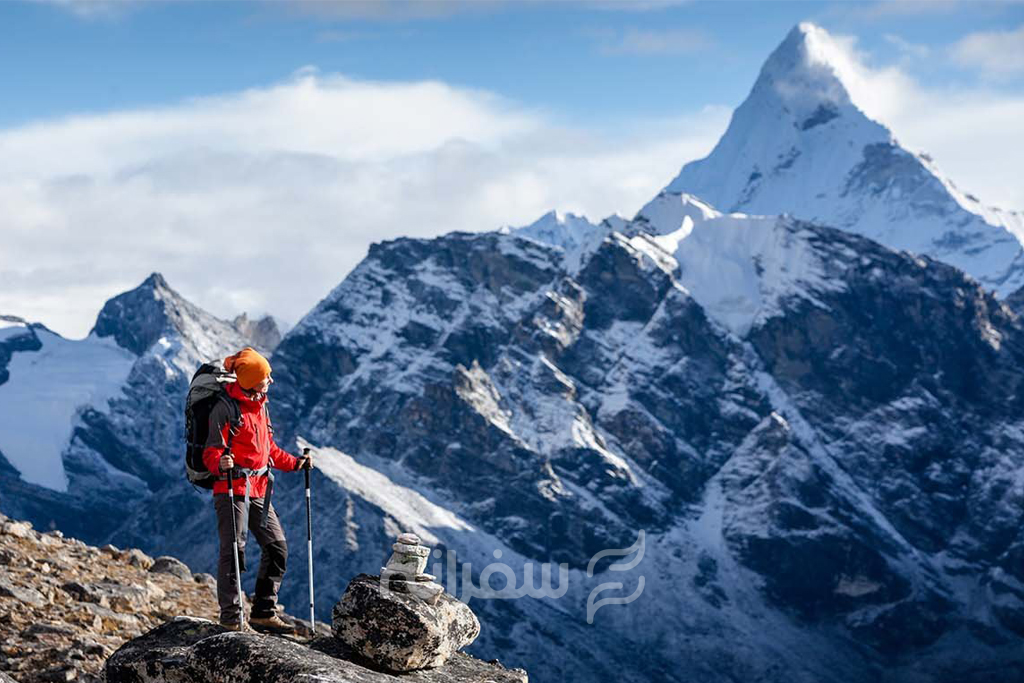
(66,606)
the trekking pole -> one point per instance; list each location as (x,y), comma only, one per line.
(309,550)
(234,543)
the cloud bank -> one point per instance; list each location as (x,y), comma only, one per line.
(263,200)
(998,54)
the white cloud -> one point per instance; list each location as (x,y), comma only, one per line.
(884,9)
(663,41)
(996,53)
(907,49)
(263,200)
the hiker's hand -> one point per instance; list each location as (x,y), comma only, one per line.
(305,463)
(226,463)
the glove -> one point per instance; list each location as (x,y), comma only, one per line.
(305,463)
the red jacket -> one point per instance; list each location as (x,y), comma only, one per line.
(252,446)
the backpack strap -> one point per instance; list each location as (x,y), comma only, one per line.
(266,411)
(234,419)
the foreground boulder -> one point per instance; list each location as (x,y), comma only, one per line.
(398,631)
(192,650)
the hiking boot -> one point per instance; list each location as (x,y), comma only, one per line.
(272,624)
(234,626)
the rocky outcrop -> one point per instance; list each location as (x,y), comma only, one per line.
(263,333)
(398,631)
(171,565)
(65,606)
(190,650)
(22,337)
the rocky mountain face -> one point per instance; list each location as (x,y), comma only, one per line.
(91,428)
(263,333)
(838,447)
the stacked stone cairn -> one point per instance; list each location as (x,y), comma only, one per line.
(402,620)
(404,570)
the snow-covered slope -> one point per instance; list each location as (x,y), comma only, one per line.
(740,268)
(43,392)
(799,144)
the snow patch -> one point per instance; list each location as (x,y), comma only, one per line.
(741,268)
(417,514)
(40,402)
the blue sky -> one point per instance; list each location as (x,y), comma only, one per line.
(581,60)
(137,136)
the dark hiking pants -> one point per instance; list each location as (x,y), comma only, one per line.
(273,557)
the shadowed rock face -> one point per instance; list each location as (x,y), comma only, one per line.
(857,444)
(137,318)
(1015,301)
(189,650)
(26,340)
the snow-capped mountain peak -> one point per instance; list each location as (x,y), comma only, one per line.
(574,234)
(70,408)
(142,317)
(809,74)
(801,144)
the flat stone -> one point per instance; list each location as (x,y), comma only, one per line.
(428,592)
(41,628)
(115,596)
(17,529)
(409,539)
(27,595)
(417,550)
(173,566)
(137,558)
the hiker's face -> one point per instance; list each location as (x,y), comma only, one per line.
(262,387)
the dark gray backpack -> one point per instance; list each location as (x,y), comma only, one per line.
(207,388)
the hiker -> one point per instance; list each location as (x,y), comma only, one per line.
(252,453)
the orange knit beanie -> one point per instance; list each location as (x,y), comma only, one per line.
(250,367)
